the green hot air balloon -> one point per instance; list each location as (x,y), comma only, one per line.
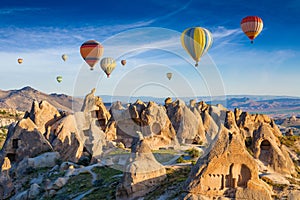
(59,79)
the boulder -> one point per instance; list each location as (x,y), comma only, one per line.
(142,174)
(34,191)
(27,165)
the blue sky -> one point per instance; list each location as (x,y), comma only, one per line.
(146,34)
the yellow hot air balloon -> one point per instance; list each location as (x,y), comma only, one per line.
(64,57)
(252,26)
(59,79)
(91,51)
(169,75)
(20,60)
(123,62)
(108,65)
(196,41)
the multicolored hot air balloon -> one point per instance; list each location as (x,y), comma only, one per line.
(196,41)
(108,65)
(169,75)
(91,51)
(59,79)
(252,26)
(20,60)
(64,57)
(123,62)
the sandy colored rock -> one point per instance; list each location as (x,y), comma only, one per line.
(184,121)
(43,114)
(142,174)
(151,120)
(228,170)
(66,140)
(267,148)
(25,140)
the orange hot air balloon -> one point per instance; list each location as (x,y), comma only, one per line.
(20,60)
(91,51)
(123,62)
(252,26)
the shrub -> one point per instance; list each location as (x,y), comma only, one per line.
(194,153)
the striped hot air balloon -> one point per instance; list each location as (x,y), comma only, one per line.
(252,26)
(196,41)
(91,51)
(108,65)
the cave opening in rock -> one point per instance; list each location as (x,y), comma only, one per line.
(265,152)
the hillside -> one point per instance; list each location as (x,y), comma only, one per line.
(22,99)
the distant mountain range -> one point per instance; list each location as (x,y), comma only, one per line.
(273,105)
(22,99)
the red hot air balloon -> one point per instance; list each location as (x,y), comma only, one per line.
(91,51)
(252,26)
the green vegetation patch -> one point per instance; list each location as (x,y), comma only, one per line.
(76,185)
(106,184)
(289,141)
(175,179)
(194,153)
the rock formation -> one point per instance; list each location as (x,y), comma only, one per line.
(184,122)
(6,184)
(66,140)
(151,120)
(228,170)
(267,148)
(142,174)
(42,115)
(25,140)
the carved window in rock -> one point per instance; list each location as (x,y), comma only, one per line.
(244,176)
(15,143)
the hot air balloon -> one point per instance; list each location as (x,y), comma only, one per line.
(91,51)
(169,75)
(123,62)
(59,79)
(252,26)
(20,60)
(64,57)
(108,65)
(196,41)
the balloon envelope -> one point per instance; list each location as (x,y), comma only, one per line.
(108,65)
(64,57)
(91,51)
(59,79)
(20,60)
(252,26)
(196,41)
(169,75)
(123,62)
